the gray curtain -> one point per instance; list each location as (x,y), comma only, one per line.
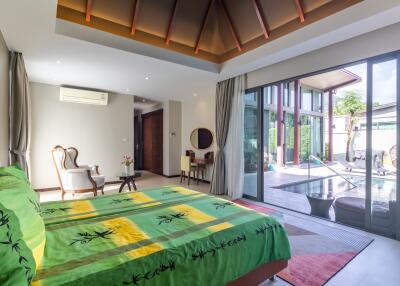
(19,113)
(223,106)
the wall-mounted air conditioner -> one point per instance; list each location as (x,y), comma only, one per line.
(83,96)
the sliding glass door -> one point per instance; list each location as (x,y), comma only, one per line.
(350,122)
(382,125)
(251,143)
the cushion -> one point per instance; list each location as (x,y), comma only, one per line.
(99,179)
(351,204)
(22,233)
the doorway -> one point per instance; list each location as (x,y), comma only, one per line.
(152,123)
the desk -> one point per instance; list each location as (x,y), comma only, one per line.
(201,166)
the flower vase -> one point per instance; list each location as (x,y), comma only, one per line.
(127,169)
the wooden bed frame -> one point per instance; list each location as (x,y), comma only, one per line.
(260,274)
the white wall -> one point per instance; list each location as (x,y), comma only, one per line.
(371,44)
(4,56)
(102,134)
(198,112)
(174,137)
(172,124)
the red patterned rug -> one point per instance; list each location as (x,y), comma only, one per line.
(318,251)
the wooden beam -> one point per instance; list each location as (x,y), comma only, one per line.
(203,25)
(260,17)
(135,16)
(299,10)
(171,20)
(230,25)
(89,5)
(78,17)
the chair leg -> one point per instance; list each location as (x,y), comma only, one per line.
(181,175)
(95,192)
(198,176)
(62,195)
(102,190)
(188,178)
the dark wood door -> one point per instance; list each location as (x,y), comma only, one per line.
(138,142)
(153,141)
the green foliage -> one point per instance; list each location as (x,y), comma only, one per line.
(305,142)
(350,104)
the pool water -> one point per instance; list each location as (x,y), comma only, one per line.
(383,190)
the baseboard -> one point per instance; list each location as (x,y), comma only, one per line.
(171,176)
(47,189)
(57,188)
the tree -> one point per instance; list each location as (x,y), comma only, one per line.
(350,105)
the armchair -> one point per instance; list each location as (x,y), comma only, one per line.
(74,178)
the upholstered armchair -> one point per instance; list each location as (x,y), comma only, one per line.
(76,178)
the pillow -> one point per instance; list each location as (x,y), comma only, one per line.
(22,233)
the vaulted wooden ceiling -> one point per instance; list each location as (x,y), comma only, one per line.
(213,30)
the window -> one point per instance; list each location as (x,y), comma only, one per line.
(306,98)
(317,101)
(286,95)
(270,95)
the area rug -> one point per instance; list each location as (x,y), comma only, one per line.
(318,251)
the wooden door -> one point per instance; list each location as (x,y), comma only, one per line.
(153,141)
(157,124)
(147,143)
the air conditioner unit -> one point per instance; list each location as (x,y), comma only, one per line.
(83,96)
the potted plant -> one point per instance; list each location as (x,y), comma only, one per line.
(127,162)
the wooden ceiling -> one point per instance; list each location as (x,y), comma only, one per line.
(213,30)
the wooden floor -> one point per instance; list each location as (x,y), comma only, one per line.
(378,264)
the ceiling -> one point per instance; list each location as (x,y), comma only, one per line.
(331,80)
(60,52)
(213,30)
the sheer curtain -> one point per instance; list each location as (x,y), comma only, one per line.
(234,144)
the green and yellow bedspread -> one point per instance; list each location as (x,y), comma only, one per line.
(165,236)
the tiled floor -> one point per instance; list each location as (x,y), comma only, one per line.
(378,264)
(146,181)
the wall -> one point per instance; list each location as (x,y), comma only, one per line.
(172,123)
(371,44)
(198,112)
(4,56)
(174,137)
(102,134)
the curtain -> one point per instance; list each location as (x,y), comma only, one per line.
(19,113)
(223,104)
(234,143)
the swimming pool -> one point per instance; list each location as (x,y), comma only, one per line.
(383,190)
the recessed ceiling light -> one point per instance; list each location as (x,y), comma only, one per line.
(54,79)
(147,78)
(128,90)
(194,94)
(143,100)
(58,62)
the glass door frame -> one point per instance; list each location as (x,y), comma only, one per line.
(368,158)
(368,195)
(260,143)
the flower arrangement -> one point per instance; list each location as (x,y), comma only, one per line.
(127,161)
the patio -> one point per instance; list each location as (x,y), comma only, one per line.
(283,186)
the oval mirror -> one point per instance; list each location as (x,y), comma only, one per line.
(201,138)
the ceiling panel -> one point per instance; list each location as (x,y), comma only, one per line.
(217,43)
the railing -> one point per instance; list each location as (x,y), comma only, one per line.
(325,165)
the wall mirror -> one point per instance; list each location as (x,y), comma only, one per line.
(201,138)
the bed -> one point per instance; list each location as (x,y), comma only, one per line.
(164,236)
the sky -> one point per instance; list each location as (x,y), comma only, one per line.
(384,82)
